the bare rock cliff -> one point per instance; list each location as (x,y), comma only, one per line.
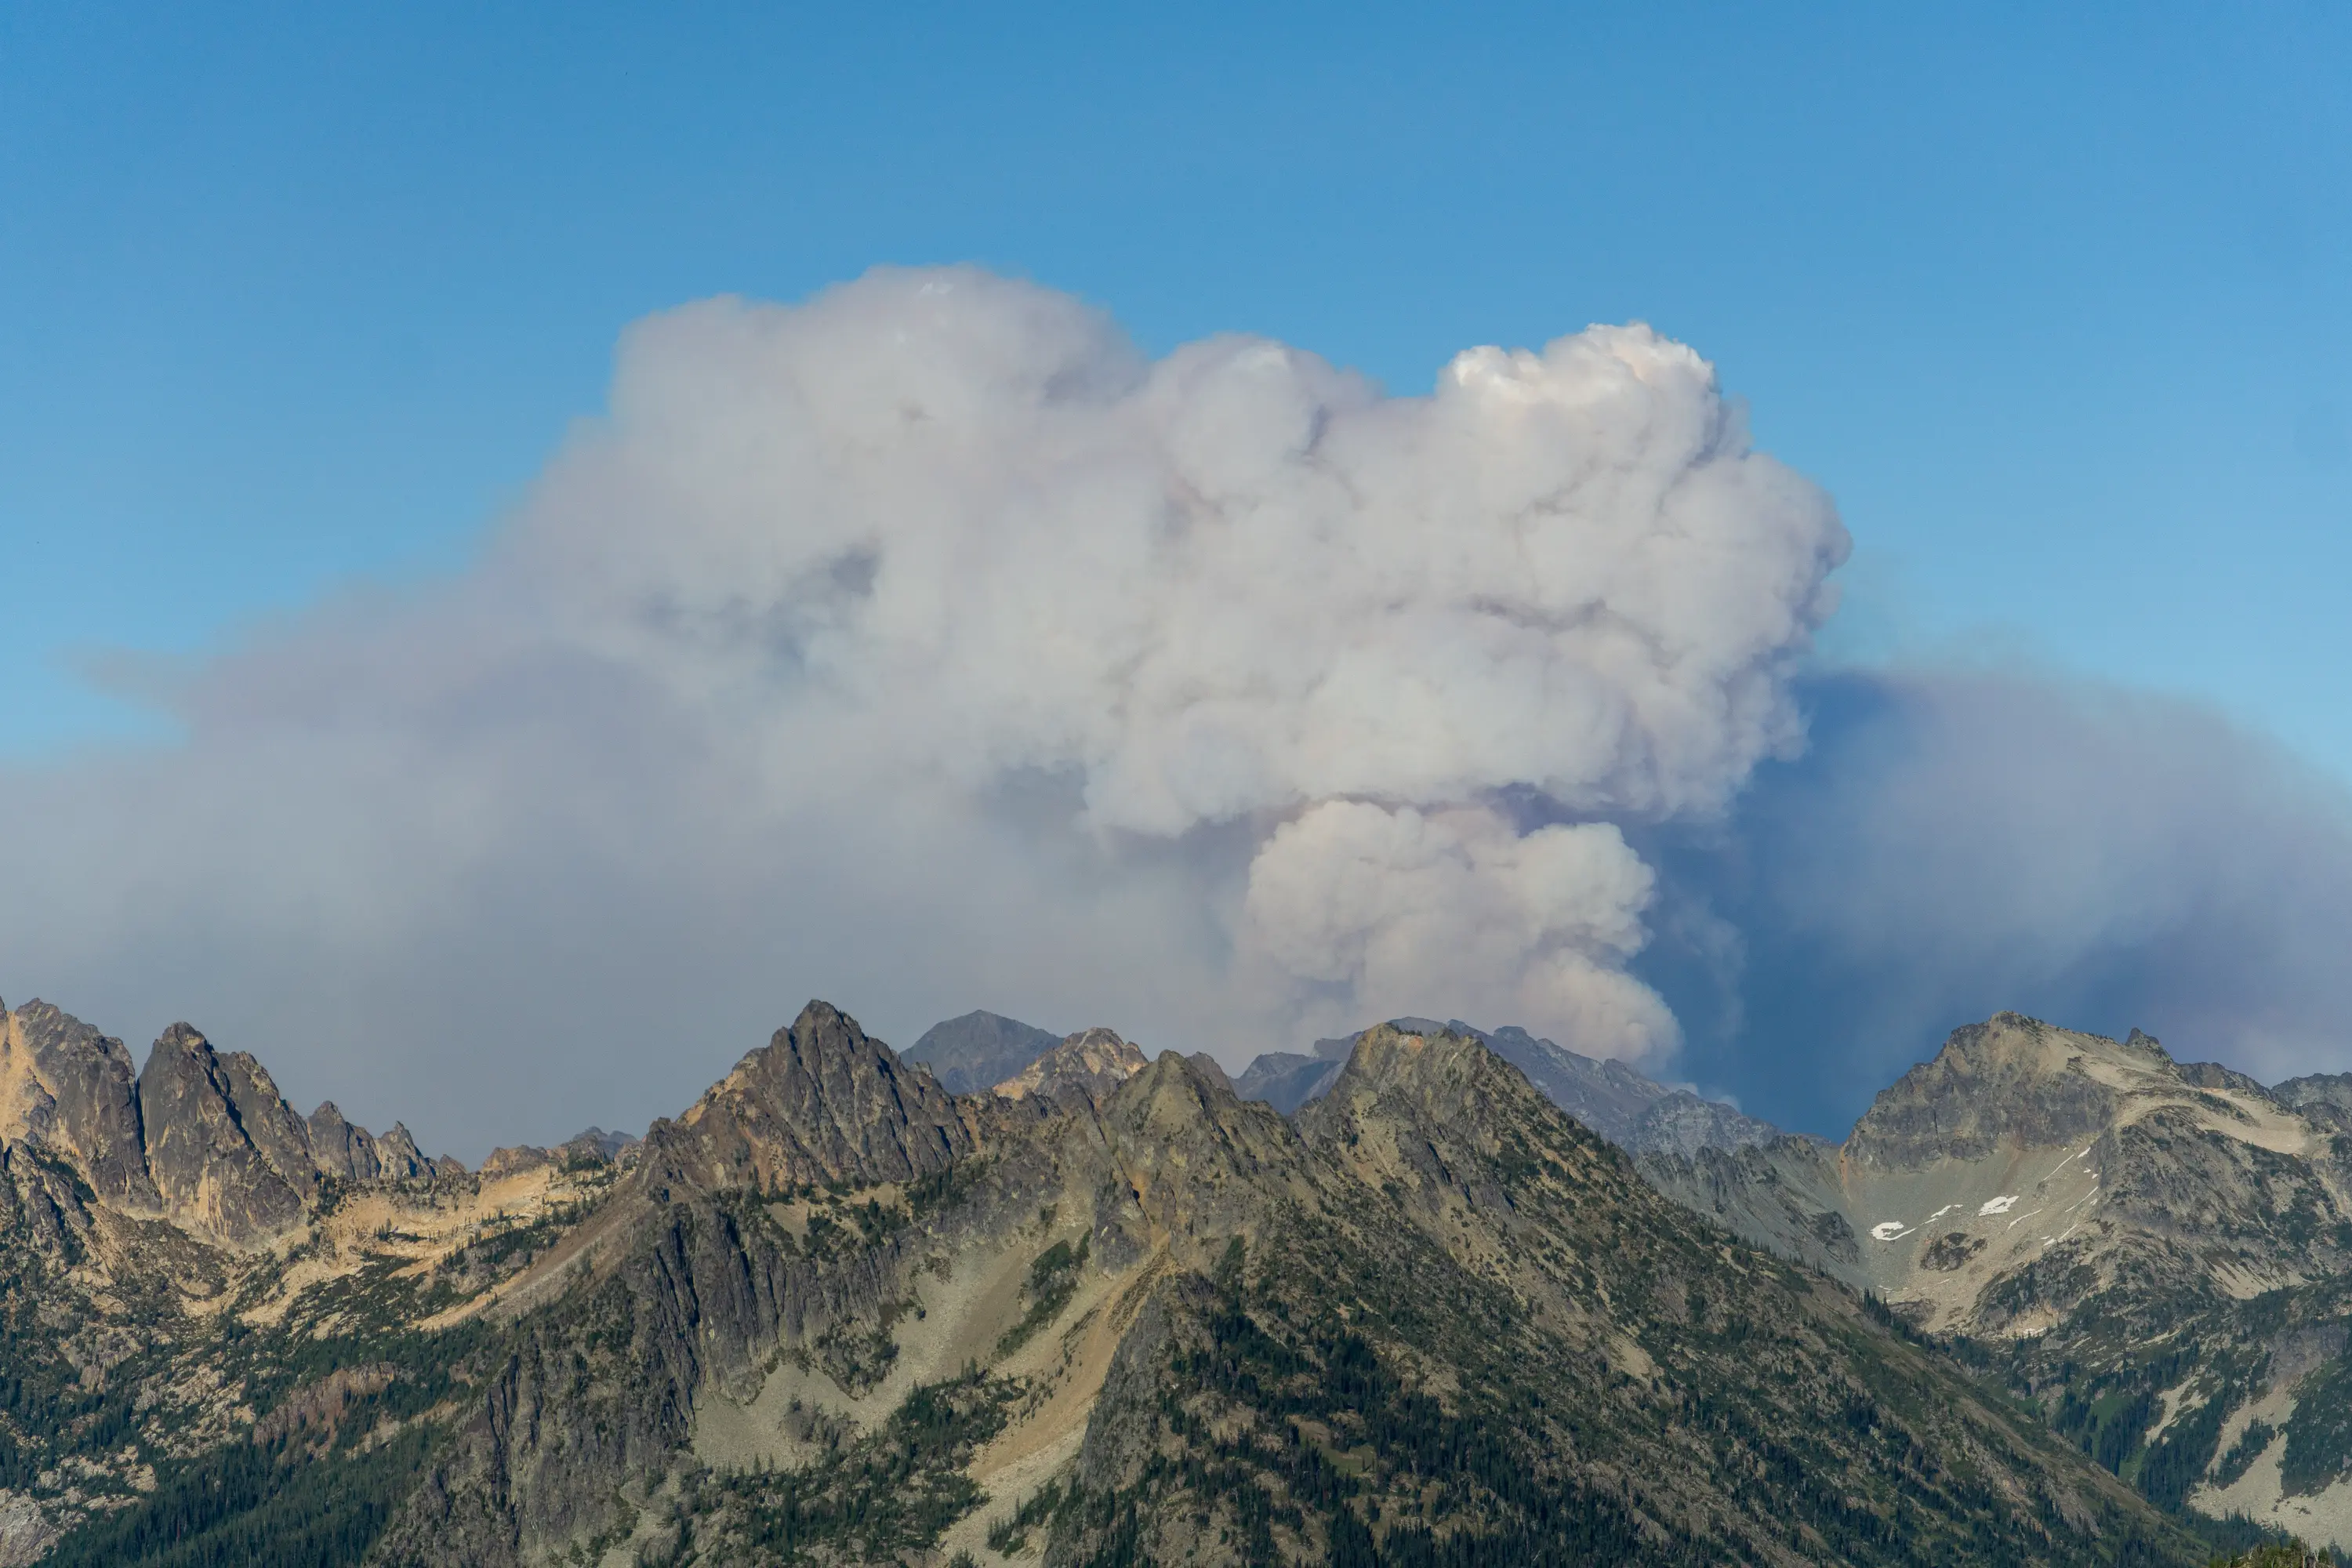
(67,1089)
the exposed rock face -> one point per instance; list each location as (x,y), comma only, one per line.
(1785,1194)
(1091,1063)
(1433,1274)
(26,1532)
(280,1137)
(2155,1241)
(1680,1122)
(2011,1081)
(2214,1075)
(67,1089)
(513,1157)
(339,1149)
(2028,1138)
(212,1176)
(600,1144)
(318,1408)
(820,1102)
(397,1156)
(1437,1188)
(971,1053)
(200,1137)
(1608,1096)
(1200,1164)
(1627,1108)
(226,1155)
(2333,1089)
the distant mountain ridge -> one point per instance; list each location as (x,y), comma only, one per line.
(1633,1112)
(984,1051)
(972,1054)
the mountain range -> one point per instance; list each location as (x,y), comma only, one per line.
(1449,1297)
(1633,1112)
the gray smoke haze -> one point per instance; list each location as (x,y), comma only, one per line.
(1953,843)
(925,646)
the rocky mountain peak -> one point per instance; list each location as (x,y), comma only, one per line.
(2317,1089)
(970,1053)
(1636,1113)
(1440,1084)
(1680,1122)
(1430,1090)
(2010,1079)
(212,1174)
(1394,1054)
(199,1136)
(277,1134)
(1199,1160)
(398,1156)
(820,1101)
(596,1143)
(67,1089)
(1092,1063)
(340,1150)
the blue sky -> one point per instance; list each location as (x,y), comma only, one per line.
(2054,304)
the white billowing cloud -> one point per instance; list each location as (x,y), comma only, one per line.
(1402,907)
(1233,582)
(928,630)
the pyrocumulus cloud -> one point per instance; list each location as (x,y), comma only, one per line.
(926,646)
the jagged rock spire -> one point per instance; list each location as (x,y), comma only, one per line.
(820,1101)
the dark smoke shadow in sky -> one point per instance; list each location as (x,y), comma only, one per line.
(1952,844)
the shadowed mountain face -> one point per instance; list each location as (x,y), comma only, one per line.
(2318,1089)
(980,1050)
(1613,1099)
(1287,1079)
(1112,1313)
(2160,1252)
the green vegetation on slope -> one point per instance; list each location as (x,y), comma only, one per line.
(873,1500)
(246,1505)
(2319,1432)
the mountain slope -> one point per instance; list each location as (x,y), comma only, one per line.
(1476,1332)
(1439,1318)
(2159,1252)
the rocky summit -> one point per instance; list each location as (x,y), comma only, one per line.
(979,1050)
(1636,1113)
(2157,1253)
(1111,1311)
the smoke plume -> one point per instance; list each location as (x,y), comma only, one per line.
(1957,842)
(926,646)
